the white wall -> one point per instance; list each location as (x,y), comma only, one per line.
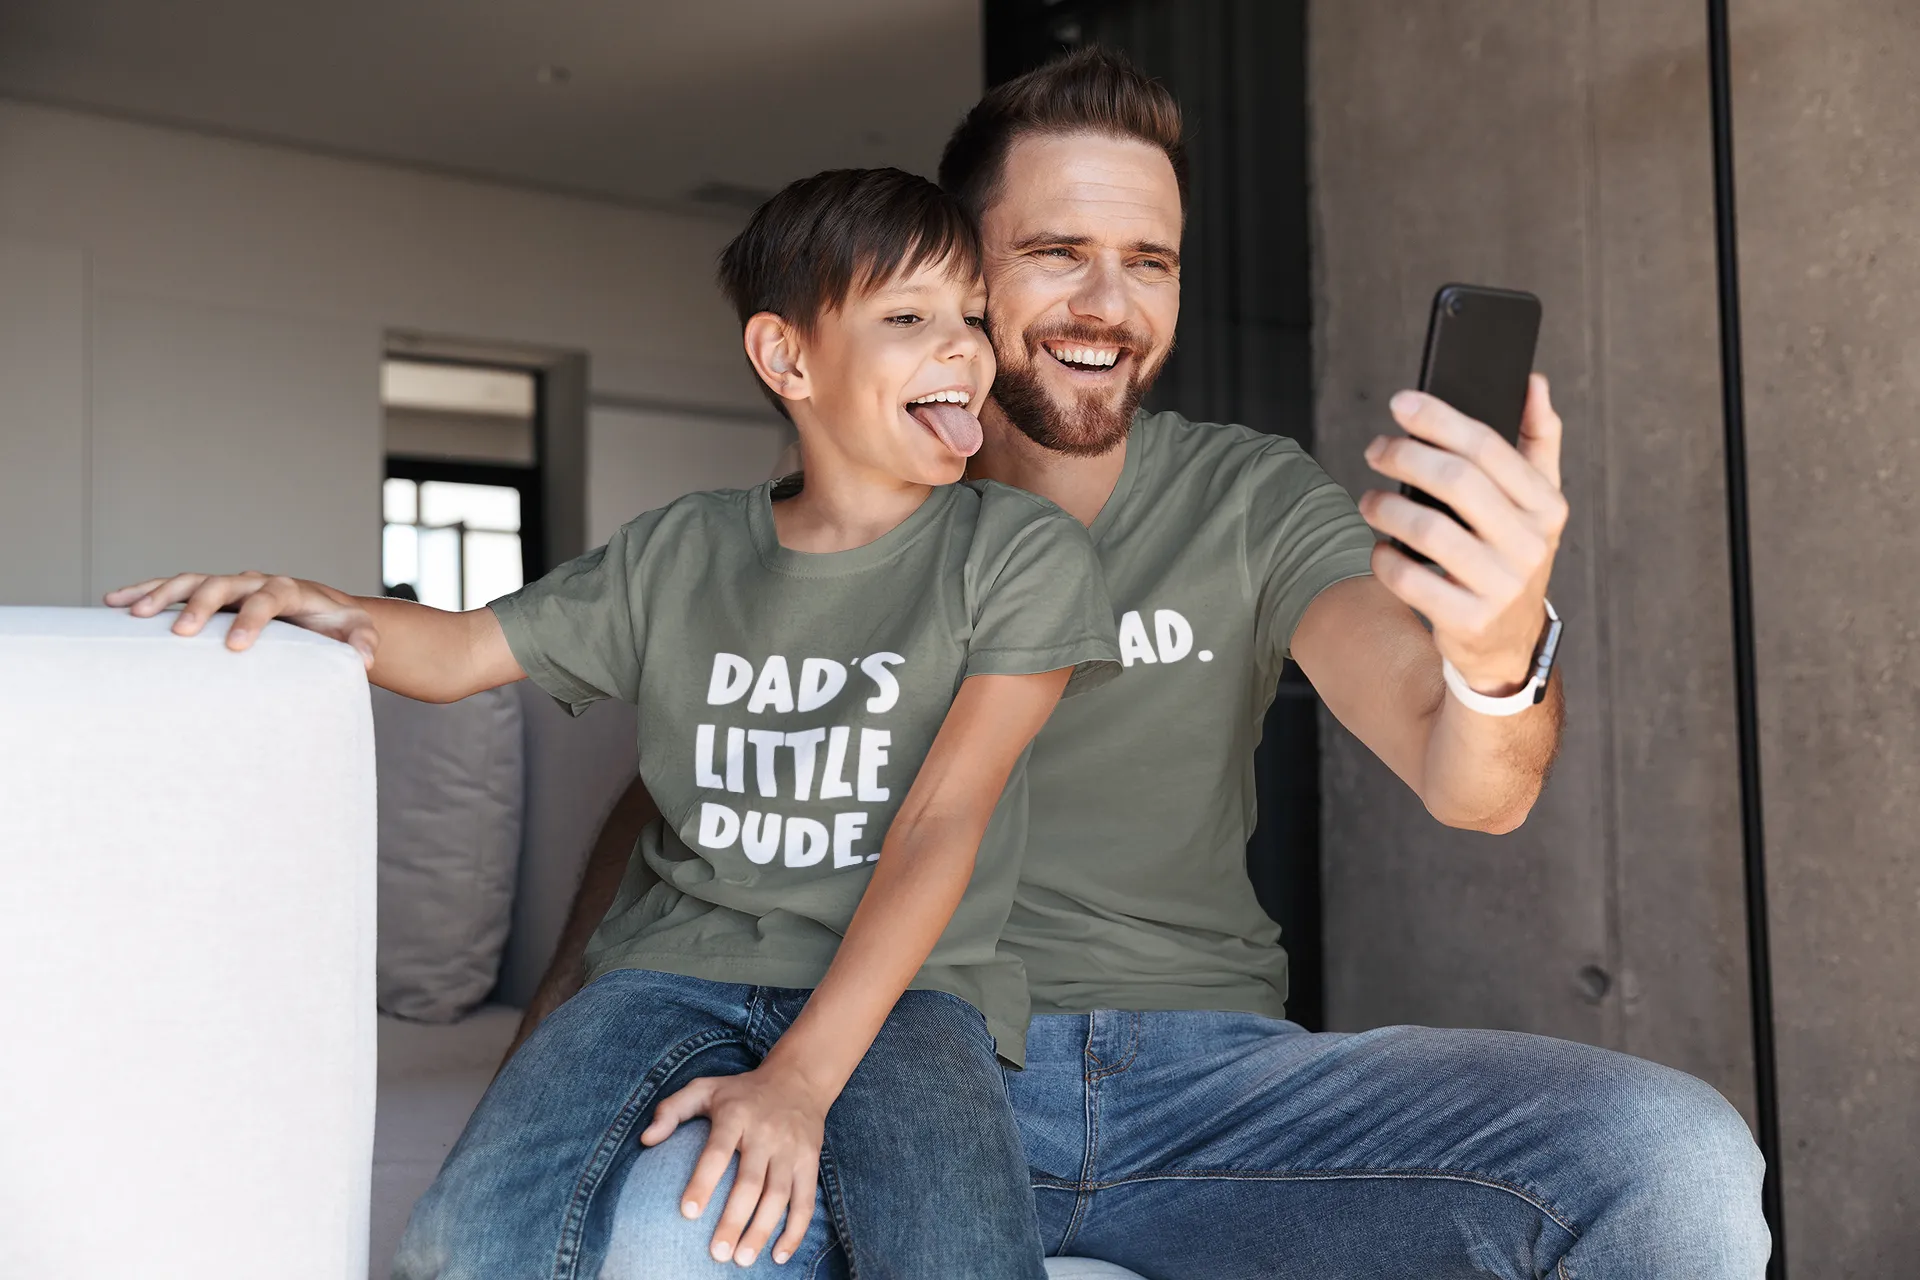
(191,330)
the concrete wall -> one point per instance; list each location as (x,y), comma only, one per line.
(1827,128)
(1565,149)
(191,330)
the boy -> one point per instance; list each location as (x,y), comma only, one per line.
(799,652)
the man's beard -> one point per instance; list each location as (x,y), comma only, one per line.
(1090,424)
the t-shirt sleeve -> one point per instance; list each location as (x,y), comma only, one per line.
(1305,534)
(577,631)
(1045,607)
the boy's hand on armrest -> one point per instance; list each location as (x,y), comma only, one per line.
(424,653)
(258,599)
(776,1120)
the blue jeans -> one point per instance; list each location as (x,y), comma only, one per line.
(551,1161)
(1215,1146)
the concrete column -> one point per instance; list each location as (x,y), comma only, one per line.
(1562,149)
(1827,129)
(1565,149)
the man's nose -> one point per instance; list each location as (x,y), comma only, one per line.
(1102,295)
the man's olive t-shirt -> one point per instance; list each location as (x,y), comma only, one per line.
(786,702)
(1134,894)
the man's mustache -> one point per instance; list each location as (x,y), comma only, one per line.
(1087,335)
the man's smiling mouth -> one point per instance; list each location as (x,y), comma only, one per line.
(1085,357)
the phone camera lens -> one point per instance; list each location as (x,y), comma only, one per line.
(1455,304)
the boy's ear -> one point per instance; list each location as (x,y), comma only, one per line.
(774,349)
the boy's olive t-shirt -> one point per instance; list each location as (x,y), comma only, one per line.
(786,702)
(1135,894)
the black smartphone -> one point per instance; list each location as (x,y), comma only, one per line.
(1479,352)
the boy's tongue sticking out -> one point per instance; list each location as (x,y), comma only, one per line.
(957,429)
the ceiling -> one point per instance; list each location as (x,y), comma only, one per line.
(641,101)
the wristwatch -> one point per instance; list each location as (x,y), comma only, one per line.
(1530,694)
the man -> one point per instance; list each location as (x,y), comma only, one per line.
(1174,1124)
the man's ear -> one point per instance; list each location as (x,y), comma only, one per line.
(774,348)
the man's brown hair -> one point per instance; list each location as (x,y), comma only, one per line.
(1091,90)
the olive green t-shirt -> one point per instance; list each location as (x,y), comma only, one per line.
(1134,894)
(786,702)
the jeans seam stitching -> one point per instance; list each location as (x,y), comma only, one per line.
(1088,1147)
(1331,1175)
(837,1211)
(566,1256)
(1133,1051)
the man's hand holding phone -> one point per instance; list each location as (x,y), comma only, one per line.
(1488,610)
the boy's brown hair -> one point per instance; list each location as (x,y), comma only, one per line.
(838,234)
(1090,90)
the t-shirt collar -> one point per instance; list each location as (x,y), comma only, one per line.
(823,564)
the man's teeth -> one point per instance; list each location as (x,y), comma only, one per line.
(1085,355)
(944,397)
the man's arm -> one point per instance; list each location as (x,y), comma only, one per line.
(606,866)
(1378,668)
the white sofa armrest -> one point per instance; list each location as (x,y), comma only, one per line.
(186,951)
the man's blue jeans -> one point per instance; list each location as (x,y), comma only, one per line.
(550,1161)
(1216,1146)
(1226,1146)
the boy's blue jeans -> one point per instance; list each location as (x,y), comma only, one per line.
(922,1173)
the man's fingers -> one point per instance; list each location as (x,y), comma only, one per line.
(774,1199)
(1440,424)
(1463,486)
(806,1178)
(675,1111)
(749,1178)
(1541,430)
(1439,537)
(1440,602)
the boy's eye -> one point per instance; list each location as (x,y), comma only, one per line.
(978,322)
(904,319)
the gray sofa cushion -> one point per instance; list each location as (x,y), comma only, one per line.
(451,790)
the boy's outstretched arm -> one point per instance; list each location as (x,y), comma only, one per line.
(424,653)
(775,1115)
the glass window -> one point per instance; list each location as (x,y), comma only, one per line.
(439,581)
(457,545)
(477,506)
(400,500)
(491,566)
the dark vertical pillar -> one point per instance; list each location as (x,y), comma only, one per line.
(1239,70)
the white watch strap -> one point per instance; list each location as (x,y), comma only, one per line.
(1511,705)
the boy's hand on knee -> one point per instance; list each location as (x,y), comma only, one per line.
(776,1123)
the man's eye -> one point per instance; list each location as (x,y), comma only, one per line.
(1057,251)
